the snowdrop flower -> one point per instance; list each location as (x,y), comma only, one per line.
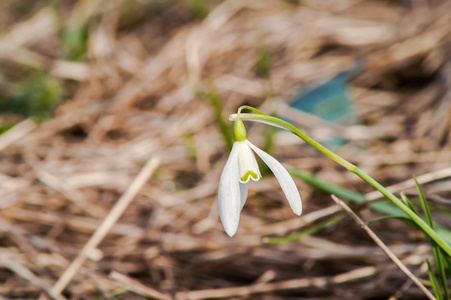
(239,169)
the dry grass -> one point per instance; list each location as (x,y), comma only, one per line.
(137,95)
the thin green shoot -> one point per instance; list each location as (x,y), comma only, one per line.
(434,283)
(117,292)
(4,128)
(198,8)
(409,203)
(226,130)
(189,146)
(424,203)
(309,231)
(436,251)
(263,63)
(75,42)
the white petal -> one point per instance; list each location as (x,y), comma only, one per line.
(283,177)
(229,193)
(247,164)
(243,193)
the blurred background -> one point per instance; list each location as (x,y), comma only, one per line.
(92,89)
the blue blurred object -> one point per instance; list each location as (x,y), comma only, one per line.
(329,100)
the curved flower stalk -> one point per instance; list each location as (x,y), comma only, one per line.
(239,169)
(258,116)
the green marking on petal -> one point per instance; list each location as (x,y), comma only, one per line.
(252,174)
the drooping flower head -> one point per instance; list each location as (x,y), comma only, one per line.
(239,169)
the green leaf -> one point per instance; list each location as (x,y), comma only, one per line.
(387,208)
(35,97)
(382,206)
(327,187)
(402,218)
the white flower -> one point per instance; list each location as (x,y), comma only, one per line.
(242,166)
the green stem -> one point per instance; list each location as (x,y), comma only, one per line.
(260,117)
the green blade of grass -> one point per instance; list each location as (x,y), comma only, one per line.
(424,204)
(117,292)
(223,125)
(434,282)
(199,8)
(310,231)
(445,260)
(409,203)
(189,146)
(263,63)
(436,251)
